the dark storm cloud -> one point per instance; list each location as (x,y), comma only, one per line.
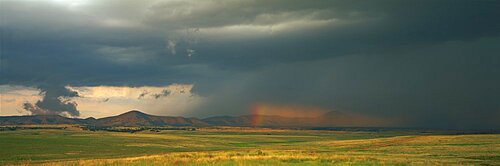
(55,102)
(163,93)
(432,63)
(446,85)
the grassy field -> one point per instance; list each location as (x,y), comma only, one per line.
(245,147)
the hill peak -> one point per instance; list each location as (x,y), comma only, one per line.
(134,112)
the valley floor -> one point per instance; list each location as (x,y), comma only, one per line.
(72,146)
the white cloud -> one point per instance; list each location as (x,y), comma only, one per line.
(13,97)
(171,45)
(249,31)
(101,101)
(190,52)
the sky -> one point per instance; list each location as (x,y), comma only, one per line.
(430,63)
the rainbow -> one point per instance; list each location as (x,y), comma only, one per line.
(259,110)
(256,111)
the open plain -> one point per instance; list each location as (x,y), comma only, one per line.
(245,146)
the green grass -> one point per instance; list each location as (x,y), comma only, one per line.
(253,147)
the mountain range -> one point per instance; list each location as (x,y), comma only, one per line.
(137,118)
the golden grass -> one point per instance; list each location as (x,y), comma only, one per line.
(413,150)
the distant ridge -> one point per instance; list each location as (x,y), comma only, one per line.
(137,118)
(39,119)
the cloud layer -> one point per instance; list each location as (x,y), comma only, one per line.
(431,63)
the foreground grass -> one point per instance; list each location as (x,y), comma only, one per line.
(268,147)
